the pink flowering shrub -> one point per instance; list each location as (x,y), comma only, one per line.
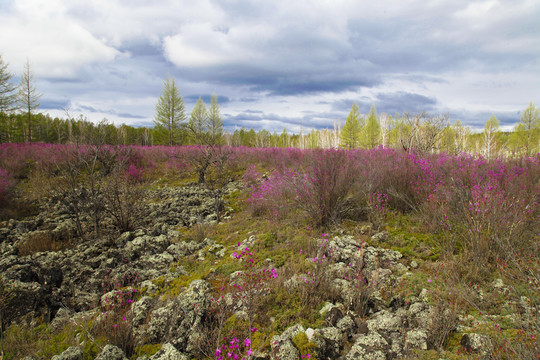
(242,293)
(115,323)
(491,210)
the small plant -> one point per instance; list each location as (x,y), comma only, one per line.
(115,323)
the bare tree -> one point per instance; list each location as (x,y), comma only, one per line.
(421,132)
(28,95)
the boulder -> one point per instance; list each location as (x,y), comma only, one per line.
(478,344)
(111,352)
(329,342)
(169,352)
(71,353)
(368,347)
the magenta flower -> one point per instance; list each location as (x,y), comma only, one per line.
(247,342)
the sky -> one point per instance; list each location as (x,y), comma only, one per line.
(273,64)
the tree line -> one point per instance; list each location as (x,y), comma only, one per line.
(420,132)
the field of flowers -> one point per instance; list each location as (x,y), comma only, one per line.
(479,219)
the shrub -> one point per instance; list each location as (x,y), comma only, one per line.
(6,186)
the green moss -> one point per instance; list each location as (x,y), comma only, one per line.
(304,346)
(146,349)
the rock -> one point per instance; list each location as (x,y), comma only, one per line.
(333,315)
(111,352)
(160,322)
(497,284)
(283,349)
(196,295)
(169,352)
(123,239)
(292,331)
(329,342)
(416,339)
(385,322)
(62,317)
(309,333)
(282,345)
(477,343)
(141,309)
(25,297)
(149,286)
(381,237)
(346,325)
(368,347)
(71,353)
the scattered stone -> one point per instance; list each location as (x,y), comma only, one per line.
(416,339)
(111,352)
(71,353)
(169,352)
(477,343)
(380,237)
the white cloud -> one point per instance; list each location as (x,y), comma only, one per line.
(55,45)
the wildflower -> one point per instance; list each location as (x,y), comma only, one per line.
(247,342)
(249,352)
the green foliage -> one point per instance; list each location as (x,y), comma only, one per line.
(7,100)
(170,113)
(350,134)
(372,129)
(146,350)
(525,138)
(304,346)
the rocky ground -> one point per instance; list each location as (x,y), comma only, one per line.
(72,285)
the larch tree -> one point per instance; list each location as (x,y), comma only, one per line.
(372,129)
(198,123)
(350,134)
(28,96)
(527,132)
(8,101)
(170,111)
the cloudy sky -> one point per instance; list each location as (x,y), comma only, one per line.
(276,63)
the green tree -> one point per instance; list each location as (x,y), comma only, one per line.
(527,133)
(198,123)
(170,112)
(28,96)
(206,130)
(8,101)
(215,123)
(372,129)
(350,134)
(284,140)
